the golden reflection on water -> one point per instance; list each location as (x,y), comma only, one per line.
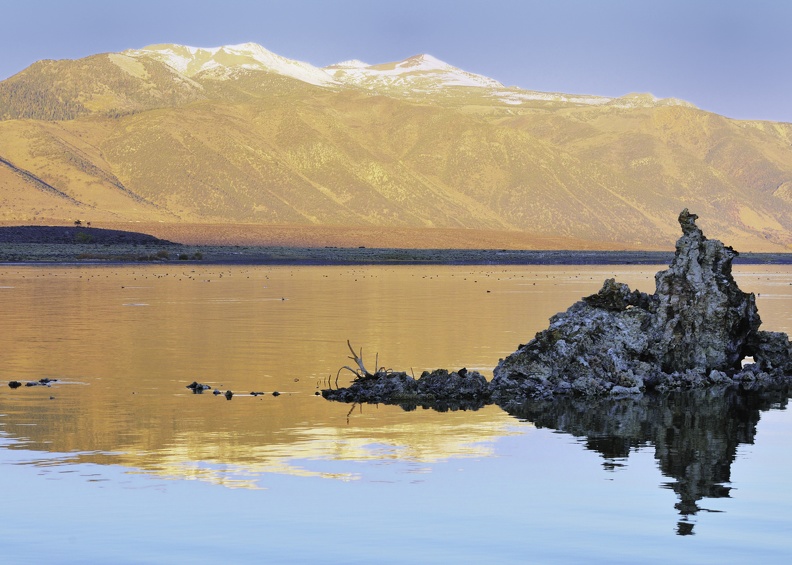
(124,341)
(219,458)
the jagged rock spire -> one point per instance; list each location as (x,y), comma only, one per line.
(702,318)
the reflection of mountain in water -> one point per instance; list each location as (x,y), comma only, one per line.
(695,434)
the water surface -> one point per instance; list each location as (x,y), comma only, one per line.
(119,462)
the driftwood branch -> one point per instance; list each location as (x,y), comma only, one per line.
(358,359)
(361,372)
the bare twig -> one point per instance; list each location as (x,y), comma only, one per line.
(358,359)
(361,372)
(348,368)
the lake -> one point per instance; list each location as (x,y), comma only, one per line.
(118,462)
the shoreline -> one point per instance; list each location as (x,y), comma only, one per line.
(41,245)
(104,254)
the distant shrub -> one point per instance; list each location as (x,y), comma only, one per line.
(82,237)
(183,257)
(162,254)
(197,255)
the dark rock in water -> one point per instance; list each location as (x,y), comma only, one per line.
(275,393)
(256,394)
(771,351)
(216,392)
(197,387)
(693,332)
(40,382)
(14,384)
(438,389)
(229,395)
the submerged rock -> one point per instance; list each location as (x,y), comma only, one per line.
(694,331)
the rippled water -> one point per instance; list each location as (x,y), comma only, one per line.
(118,462)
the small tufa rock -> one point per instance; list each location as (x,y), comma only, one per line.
(438,389)
(14,384)
(41,382)
(197,387)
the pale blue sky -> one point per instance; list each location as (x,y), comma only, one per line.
(726,56)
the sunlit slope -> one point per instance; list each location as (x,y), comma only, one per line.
(734,173)
(54,170)
(232,144)
(101,84)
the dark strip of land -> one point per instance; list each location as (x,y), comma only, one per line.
(47,244)
(83,235)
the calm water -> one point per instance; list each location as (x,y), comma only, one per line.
(118,462)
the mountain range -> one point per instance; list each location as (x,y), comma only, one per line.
(172,135)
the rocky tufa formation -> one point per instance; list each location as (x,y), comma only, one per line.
(694,331)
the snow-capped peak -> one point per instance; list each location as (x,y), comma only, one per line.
(417,75)
(420,72)
(190,61)
(423,62)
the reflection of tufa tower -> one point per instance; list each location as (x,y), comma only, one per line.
(697,442)
(695,434)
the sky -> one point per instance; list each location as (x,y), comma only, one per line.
(725,56)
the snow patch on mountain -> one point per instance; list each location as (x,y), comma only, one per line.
(351,64)
(515,97)
(191,61)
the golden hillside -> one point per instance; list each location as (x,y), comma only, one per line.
(130,137)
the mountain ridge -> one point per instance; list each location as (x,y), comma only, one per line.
(243,135)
